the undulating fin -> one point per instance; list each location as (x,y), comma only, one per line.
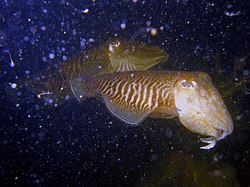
(78,88)
(124,114)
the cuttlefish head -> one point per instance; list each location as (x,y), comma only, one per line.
(131,56)
(201,108)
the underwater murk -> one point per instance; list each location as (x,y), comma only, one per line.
(124,93)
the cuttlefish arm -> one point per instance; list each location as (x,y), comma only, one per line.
(201,108)
(211,141)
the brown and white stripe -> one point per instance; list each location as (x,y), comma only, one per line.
(137,91)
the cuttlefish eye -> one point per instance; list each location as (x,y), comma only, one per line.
(188,84)
(114,44)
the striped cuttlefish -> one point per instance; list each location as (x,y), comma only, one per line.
(133,96)
(114,55)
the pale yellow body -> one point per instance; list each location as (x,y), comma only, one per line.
(132,96)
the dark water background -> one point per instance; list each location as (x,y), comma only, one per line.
(83,144)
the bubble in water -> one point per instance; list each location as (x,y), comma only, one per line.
(26,38)
(123,25)
(153,32)
(51,55)
(43,28)
(13,85)
(27,72)
(44,59)
(67,97)
(33,30)
(64,58)
(82,42)
(45,11)
(91,40)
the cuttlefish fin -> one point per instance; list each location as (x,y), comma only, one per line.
(124,114)
(78,89)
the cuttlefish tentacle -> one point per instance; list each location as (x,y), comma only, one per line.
(211,141)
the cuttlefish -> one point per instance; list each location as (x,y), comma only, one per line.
(134,96)
(113,56)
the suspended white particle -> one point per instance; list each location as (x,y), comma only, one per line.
(85,11)
(43,93)
(13,85)
(45,11)
(27,72)
(64,58)
(67,97)
(91,40)
(51,55)
(123,25)
(12,64)
(43,28)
